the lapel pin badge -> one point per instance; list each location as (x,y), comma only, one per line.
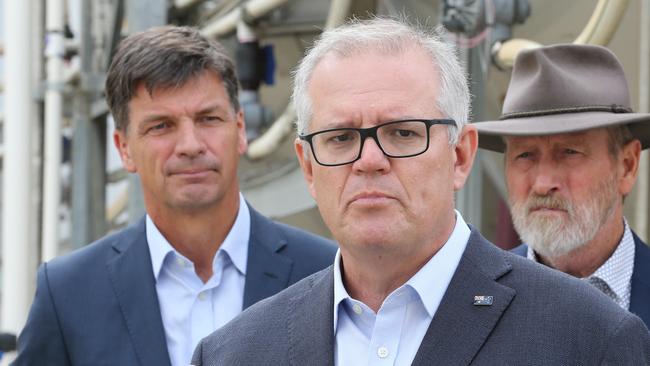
(483,300)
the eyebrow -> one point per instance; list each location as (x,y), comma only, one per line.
(203,111)
(351,124)
(211,109)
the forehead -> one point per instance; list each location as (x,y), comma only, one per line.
(593,138)
(204,88)
(372,86)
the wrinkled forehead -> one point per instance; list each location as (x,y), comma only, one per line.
(591,137)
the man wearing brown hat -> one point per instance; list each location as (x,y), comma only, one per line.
(572,146)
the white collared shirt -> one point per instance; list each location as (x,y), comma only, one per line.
(393,335)
(617,270)
(191,309)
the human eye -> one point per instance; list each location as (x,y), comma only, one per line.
(157,127)
(341,137)
(336,140)
(403,132)
(524,155)
(210,119)
(570,151)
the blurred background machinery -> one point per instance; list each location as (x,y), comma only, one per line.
(63,185)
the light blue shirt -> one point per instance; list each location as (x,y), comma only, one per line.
(191,309)
(393,335)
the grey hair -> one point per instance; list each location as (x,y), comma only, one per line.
(164,57)
(388,36)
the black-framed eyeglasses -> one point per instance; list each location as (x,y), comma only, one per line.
(396,139)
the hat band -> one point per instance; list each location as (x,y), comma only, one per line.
(614,108)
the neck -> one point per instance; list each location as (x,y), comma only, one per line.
(585,260)
(370,276)
(197,235)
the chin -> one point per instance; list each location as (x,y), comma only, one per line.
(375,236)
(196,201)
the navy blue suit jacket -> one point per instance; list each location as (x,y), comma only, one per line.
(640,294)
(99,306)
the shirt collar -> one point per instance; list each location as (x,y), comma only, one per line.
(441,267)
(159,247)
(235,244)
(617,269)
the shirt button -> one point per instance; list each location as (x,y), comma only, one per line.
(357,309)
(180,262)
(382,352)
(202,296)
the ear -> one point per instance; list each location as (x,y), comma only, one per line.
(628,160)
(306,164)
(465,151)
(122,145)
(242,140)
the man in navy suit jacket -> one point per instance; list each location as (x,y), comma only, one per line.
(572,148)
(147,294)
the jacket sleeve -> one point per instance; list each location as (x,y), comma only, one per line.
(630,344)
(41,341)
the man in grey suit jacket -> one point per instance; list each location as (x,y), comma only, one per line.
(147,294)
(383,146)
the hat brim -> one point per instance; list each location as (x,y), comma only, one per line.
(491,133)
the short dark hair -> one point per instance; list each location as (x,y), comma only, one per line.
(164,57)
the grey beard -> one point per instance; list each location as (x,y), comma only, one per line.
(553,236)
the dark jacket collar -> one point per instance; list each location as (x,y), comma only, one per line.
(135,289)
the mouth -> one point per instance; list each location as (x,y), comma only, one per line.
(192,174)
(371,198)
(547,210)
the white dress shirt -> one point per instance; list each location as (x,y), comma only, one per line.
(192,309)
(614,277)
(393,335)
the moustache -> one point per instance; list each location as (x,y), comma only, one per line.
(554,202)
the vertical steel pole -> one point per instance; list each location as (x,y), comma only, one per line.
(18,214)
(54,50)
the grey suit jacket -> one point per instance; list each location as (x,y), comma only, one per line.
(539,317)
(99,306)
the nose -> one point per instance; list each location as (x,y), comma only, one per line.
(189,142)
(547,178)
(372,159)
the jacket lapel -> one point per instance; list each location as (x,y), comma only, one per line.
(267,271)
(459,328)
(134,285)
(311,322)
(640,292)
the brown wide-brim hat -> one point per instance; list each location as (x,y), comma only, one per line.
(563,89)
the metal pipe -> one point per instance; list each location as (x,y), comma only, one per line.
(504,54)
(184,4)
(271,139)
(603,22)
(54,51)
(599,30)
(17,272)
(252,9)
